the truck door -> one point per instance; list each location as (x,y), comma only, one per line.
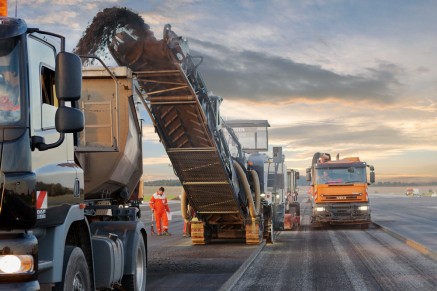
(59,179)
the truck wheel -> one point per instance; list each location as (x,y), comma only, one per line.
(365,226)
(137,282)
(75,275)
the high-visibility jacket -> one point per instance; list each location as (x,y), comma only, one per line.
(158,203)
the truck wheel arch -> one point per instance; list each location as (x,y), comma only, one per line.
(52,244)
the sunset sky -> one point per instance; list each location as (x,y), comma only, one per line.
(354,77)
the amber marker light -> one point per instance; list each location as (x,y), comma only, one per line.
(3,8)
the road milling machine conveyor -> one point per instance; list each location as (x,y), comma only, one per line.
(224,195)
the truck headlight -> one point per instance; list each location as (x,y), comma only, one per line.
(363,208)
(263,195)
(277,196)
(16,264)
(320,209)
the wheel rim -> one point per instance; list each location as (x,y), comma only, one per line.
(140,268)
(78,282)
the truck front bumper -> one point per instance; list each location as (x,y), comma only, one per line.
(341,213)
(24,286)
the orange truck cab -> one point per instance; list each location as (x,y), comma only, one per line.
(339,190)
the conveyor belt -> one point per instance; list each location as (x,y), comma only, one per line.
(181,108)
(183,130)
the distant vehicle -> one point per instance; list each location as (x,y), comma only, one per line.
(412,192)
(292,210)
(339,190)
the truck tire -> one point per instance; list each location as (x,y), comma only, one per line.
(75,275)
(137,281)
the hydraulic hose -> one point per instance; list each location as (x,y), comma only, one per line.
(257,191)
(184,205)
(246,188)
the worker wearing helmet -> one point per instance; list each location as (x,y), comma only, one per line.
(159,205)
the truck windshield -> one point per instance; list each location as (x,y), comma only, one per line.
(9,81)
(341,175)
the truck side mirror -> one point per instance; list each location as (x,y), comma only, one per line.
(297,175)
(372,177)
(69,120)
(68,77)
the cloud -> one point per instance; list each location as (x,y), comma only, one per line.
(385,136)
(59,18)
(328,75)
(259,76)
(301,141)
(162,160)
(149,133)
(328,134)
(76,3)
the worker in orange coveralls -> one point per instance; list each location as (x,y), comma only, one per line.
(159,205)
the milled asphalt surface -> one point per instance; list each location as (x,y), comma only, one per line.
(398,252)
(175,264)
(347,257)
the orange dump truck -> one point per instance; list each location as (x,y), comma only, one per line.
(339,190)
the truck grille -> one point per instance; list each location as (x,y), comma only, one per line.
(341,197)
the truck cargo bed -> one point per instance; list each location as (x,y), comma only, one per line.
(110,149)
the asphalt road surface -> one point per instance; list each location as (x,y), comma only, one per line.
(413,217)
(338,258)
(175,264)
(335,258)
